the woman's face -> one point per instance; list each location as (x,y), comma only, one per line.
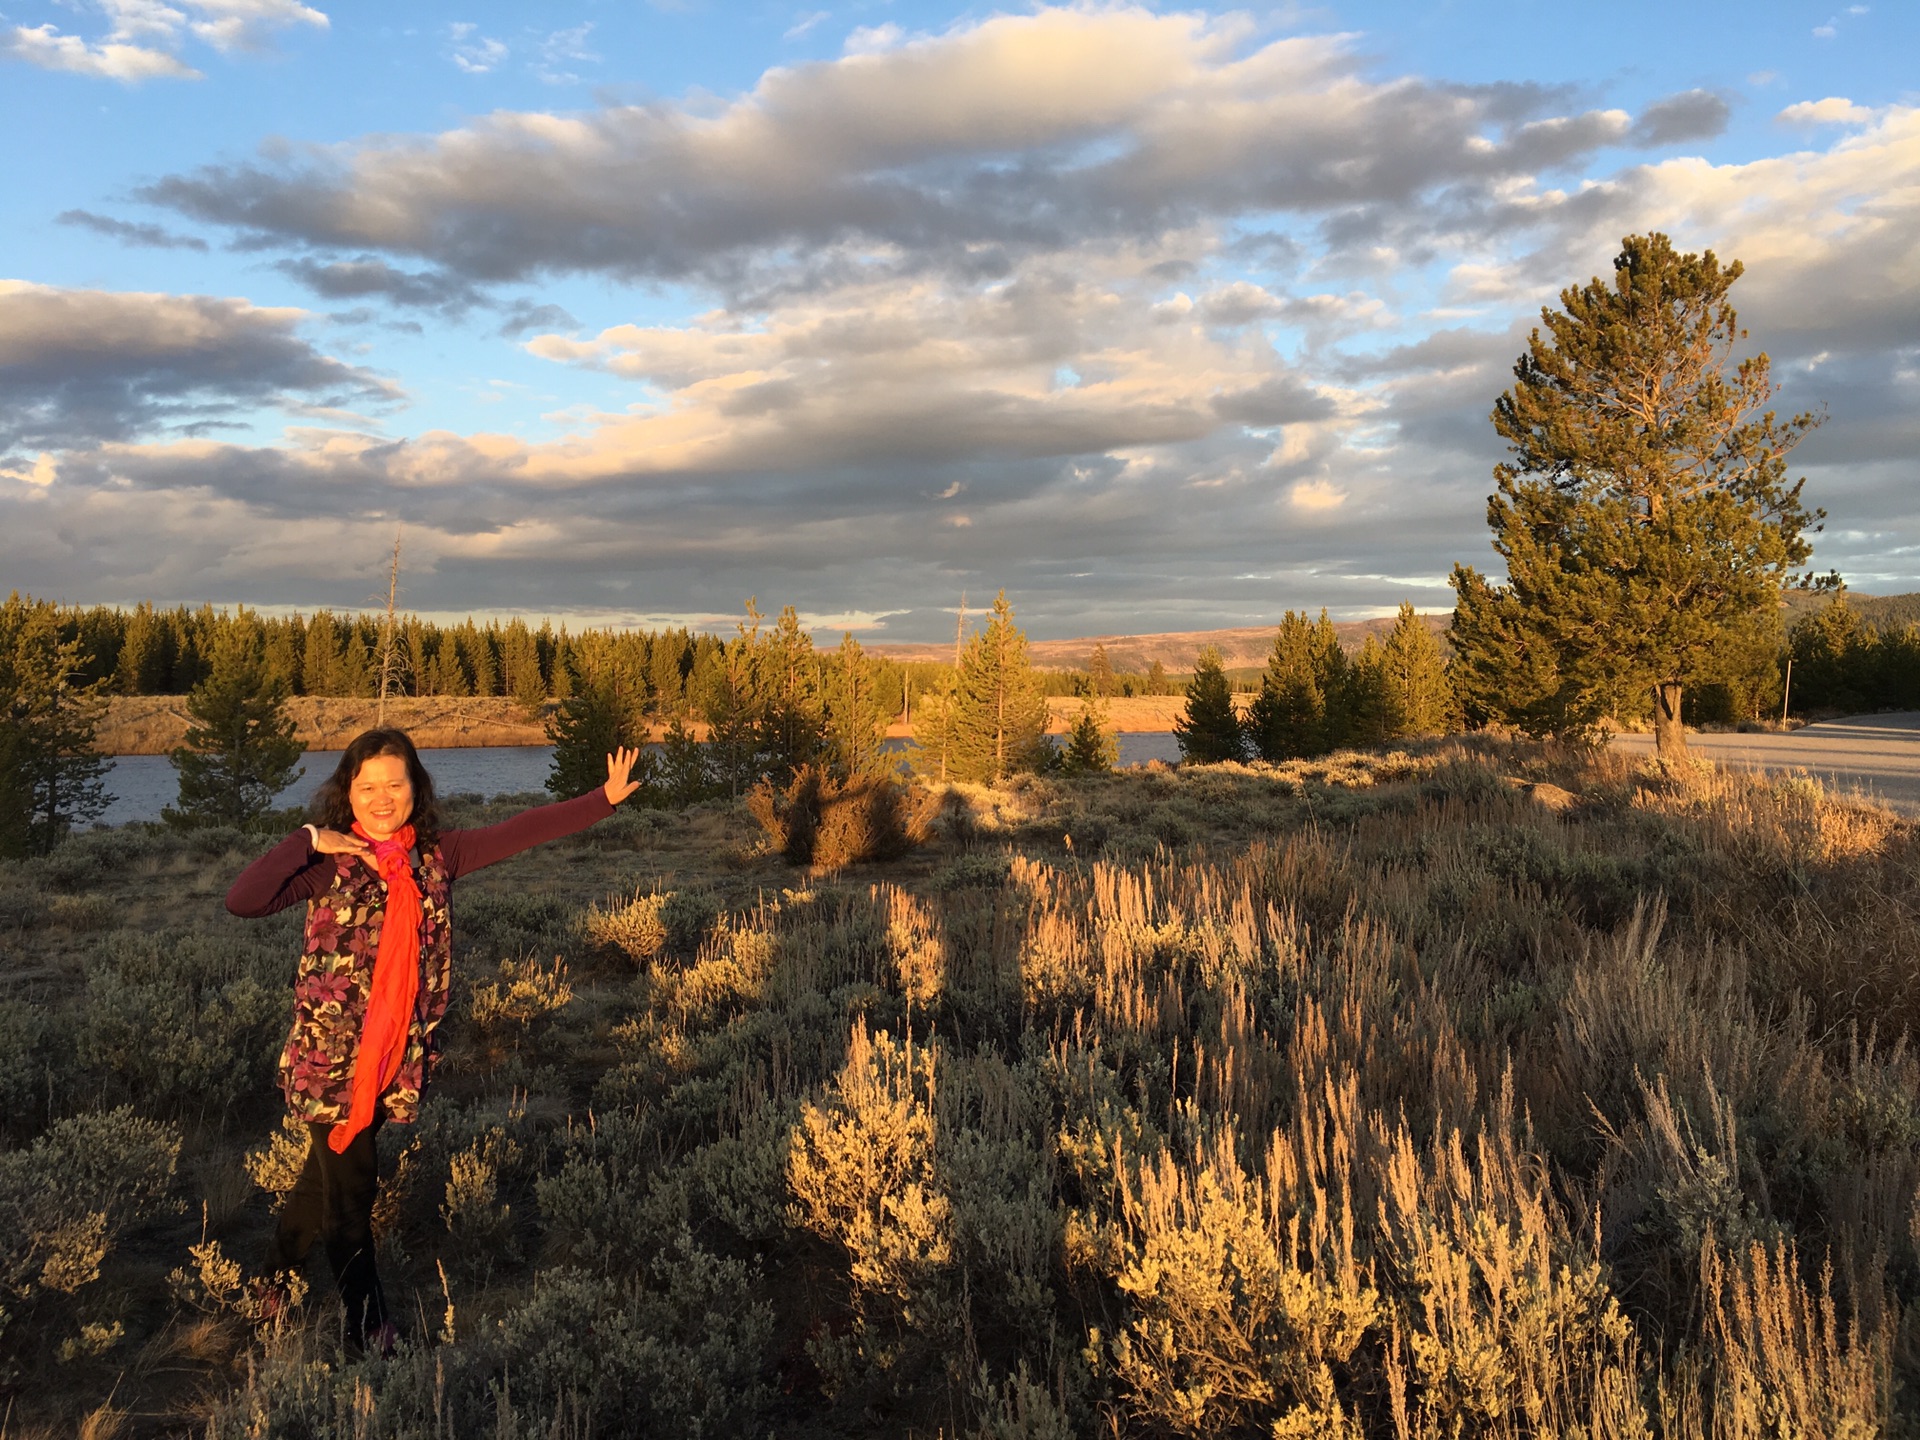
(381,795)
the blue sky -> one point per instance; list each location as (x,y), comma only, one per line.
(1159,318)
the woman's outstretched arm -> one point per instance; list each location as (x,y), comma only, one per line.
(465,851)
(293,871)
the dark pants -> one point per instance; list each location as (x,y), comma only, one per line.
(332,1202)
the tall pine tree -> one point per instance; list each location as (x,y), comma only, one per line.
(1100,677)
(1646,506)
(1289,715)
(996,718)
(50,777)
(589,725)
(793,725)
(1420,697)
(856,718)
(734,704)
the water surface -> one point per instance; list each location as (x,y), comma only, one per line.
(140,785)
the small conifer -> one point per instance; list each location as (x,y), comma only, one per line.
(596,720)
(856,721)
(1210,730)
(1091,748)
(240,751)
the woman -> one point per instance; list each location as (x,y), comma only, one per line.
(376,872)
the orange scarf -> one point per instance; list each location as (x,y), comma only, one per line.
(396,981)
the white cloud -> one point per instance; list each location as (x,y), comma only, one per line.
(873,39)
(1317,496)
(471,51)
(144,36)
(562,50)
(78,367)
(1122,120)
(248,24)
(44,47)
(1834,110)
(806,23)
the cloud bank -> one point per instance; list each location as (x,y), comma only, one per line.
(1153,319)
(80,367)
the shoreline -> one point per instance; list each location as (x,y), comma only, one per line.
(157,724)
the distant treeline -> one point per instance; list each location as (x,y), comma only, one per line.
(149,651)
(1856,653)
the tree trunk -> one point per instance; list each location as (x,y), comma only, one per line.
(1669,735)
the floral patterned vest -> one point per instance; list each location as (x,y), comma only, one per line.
(336,974)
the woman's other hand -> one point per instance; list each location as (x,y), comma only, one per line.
(619,767)
(332,842)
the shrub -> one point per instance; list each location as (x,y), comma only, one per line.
(36,1060)
(636,929)
(22,907)
(683,1343)
(688,916)
(598,1210)
(475,1215)
(861,1172)
(677,1349)
(65,1202)
(832,823)
(525,993)
(276,1162)
(185,1022)
(1230,1320)
(975,870)
(732,966)
(507,924)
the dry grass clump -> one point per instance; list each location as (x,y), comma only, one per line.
(830,823)
(1481,1089)
(636,929)
(525,993)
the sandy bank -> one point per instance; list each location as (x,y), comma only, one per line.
(155,724)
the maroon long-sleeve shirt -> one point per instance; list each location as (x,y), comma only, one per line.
(293,871)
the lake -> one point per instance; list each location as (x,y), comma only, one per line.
(140,785)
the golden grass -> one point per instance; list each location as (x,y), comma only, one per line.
(1471,1089)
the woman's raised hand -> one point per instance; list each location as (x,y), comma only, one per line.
(333,842)
(619,767)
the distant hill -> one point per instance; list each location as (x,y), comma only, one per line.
(1888,612)
(1240,648)
(1883,612)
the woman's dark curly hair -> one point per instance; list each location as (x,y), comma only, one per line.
(332,808)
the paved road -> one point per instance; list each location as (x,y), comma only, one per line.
(1877,756)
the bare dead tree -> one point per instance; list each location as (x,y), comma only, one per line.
(389,651)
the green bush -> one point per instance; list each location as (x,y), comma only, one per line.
(186,1022)
(36,1065)
(683,1343)
(508,924)
(65,1203)
(688,917)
